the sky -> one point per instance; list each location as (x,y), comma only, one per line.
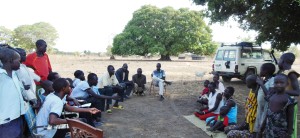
(92,24)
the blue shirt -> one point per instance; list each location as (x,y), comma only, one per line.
(159,74)
(11,100)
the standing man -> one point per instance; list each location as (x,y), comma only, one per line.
(122,76)
(11,100)
(159,78)
(39,60)
(139,81)
(27,78)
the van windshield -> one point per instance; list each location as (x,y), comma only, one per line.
(251,53)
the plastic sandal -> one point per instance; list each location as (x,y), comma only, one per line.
(109,111)
(118,107)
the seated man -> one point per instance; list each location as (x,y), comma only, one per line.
(158,77)
(122,76)
(52,108)
(83,91)
(139,81)
(109,85)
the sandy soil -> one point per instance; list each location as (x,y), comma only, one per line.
(145,116)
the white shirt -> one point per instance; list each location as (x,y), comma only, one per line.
(27,77)
(212,100)
(11,100)
(52,105)
(76,81)
(107,80)
(221,87)
(79,90)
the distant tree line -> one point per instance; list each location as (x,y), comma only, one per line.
(25,36)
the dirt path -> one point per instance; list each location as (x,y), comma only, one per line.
(145,116)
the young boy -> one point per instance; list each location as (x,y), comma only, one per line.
(279,119)
(246,128)
(79,76)
(266,85)
(47,89)
(205,92)
(228,112)
(285,66)
(52,108)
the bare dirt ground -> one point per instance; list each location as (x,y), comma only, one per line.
(145,116)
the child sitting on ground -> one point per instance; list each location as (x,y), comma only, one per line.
(228,112)
(279,119)
(205,91)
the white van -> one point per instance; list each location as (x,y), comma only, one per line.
(240,60)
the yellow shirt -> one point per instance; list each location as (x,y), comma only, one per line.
(251,108)
(107,80)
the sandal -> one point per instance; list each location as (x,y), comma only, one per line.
(118,107)
(109,111)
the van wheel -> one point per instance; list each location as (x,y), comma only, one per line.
(226,79)
(248,73)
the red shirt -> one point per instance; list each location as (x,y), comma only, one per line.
(205,91)
(41,65)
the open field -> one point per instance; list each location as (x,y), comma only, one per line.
(146,116)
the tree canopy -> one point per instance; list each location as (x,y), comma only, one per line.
(25,36)
(164,31)
(276,21)
(6,35)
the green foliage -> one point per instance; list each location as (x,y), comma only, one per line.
(108,50)
(6,35)
(25,36)
(277,21)
(164,31)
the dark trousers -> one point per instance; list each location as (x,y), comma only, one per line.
(110,90)
(13,129)
(97,103)
(61,133)
(128,86)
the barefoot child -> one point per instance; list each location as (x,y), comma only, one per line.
(285,66)
(279,119)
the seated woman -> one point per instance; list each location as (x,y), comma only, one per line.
(214,103)
(228,112)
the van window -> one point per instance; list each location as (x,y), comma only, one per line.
(229,55)
(254,53)
(219,55)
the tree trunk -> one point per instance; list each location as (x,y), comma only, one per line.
(165,57)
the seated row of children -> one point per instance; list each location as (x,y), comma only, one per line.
(269,108)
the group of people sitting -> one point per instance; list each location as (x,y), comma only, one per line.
(270,108)
(29,83)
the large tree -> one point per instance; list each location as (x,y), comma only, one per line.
(276,21)
(6,35)
(25,36)
(164,31)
